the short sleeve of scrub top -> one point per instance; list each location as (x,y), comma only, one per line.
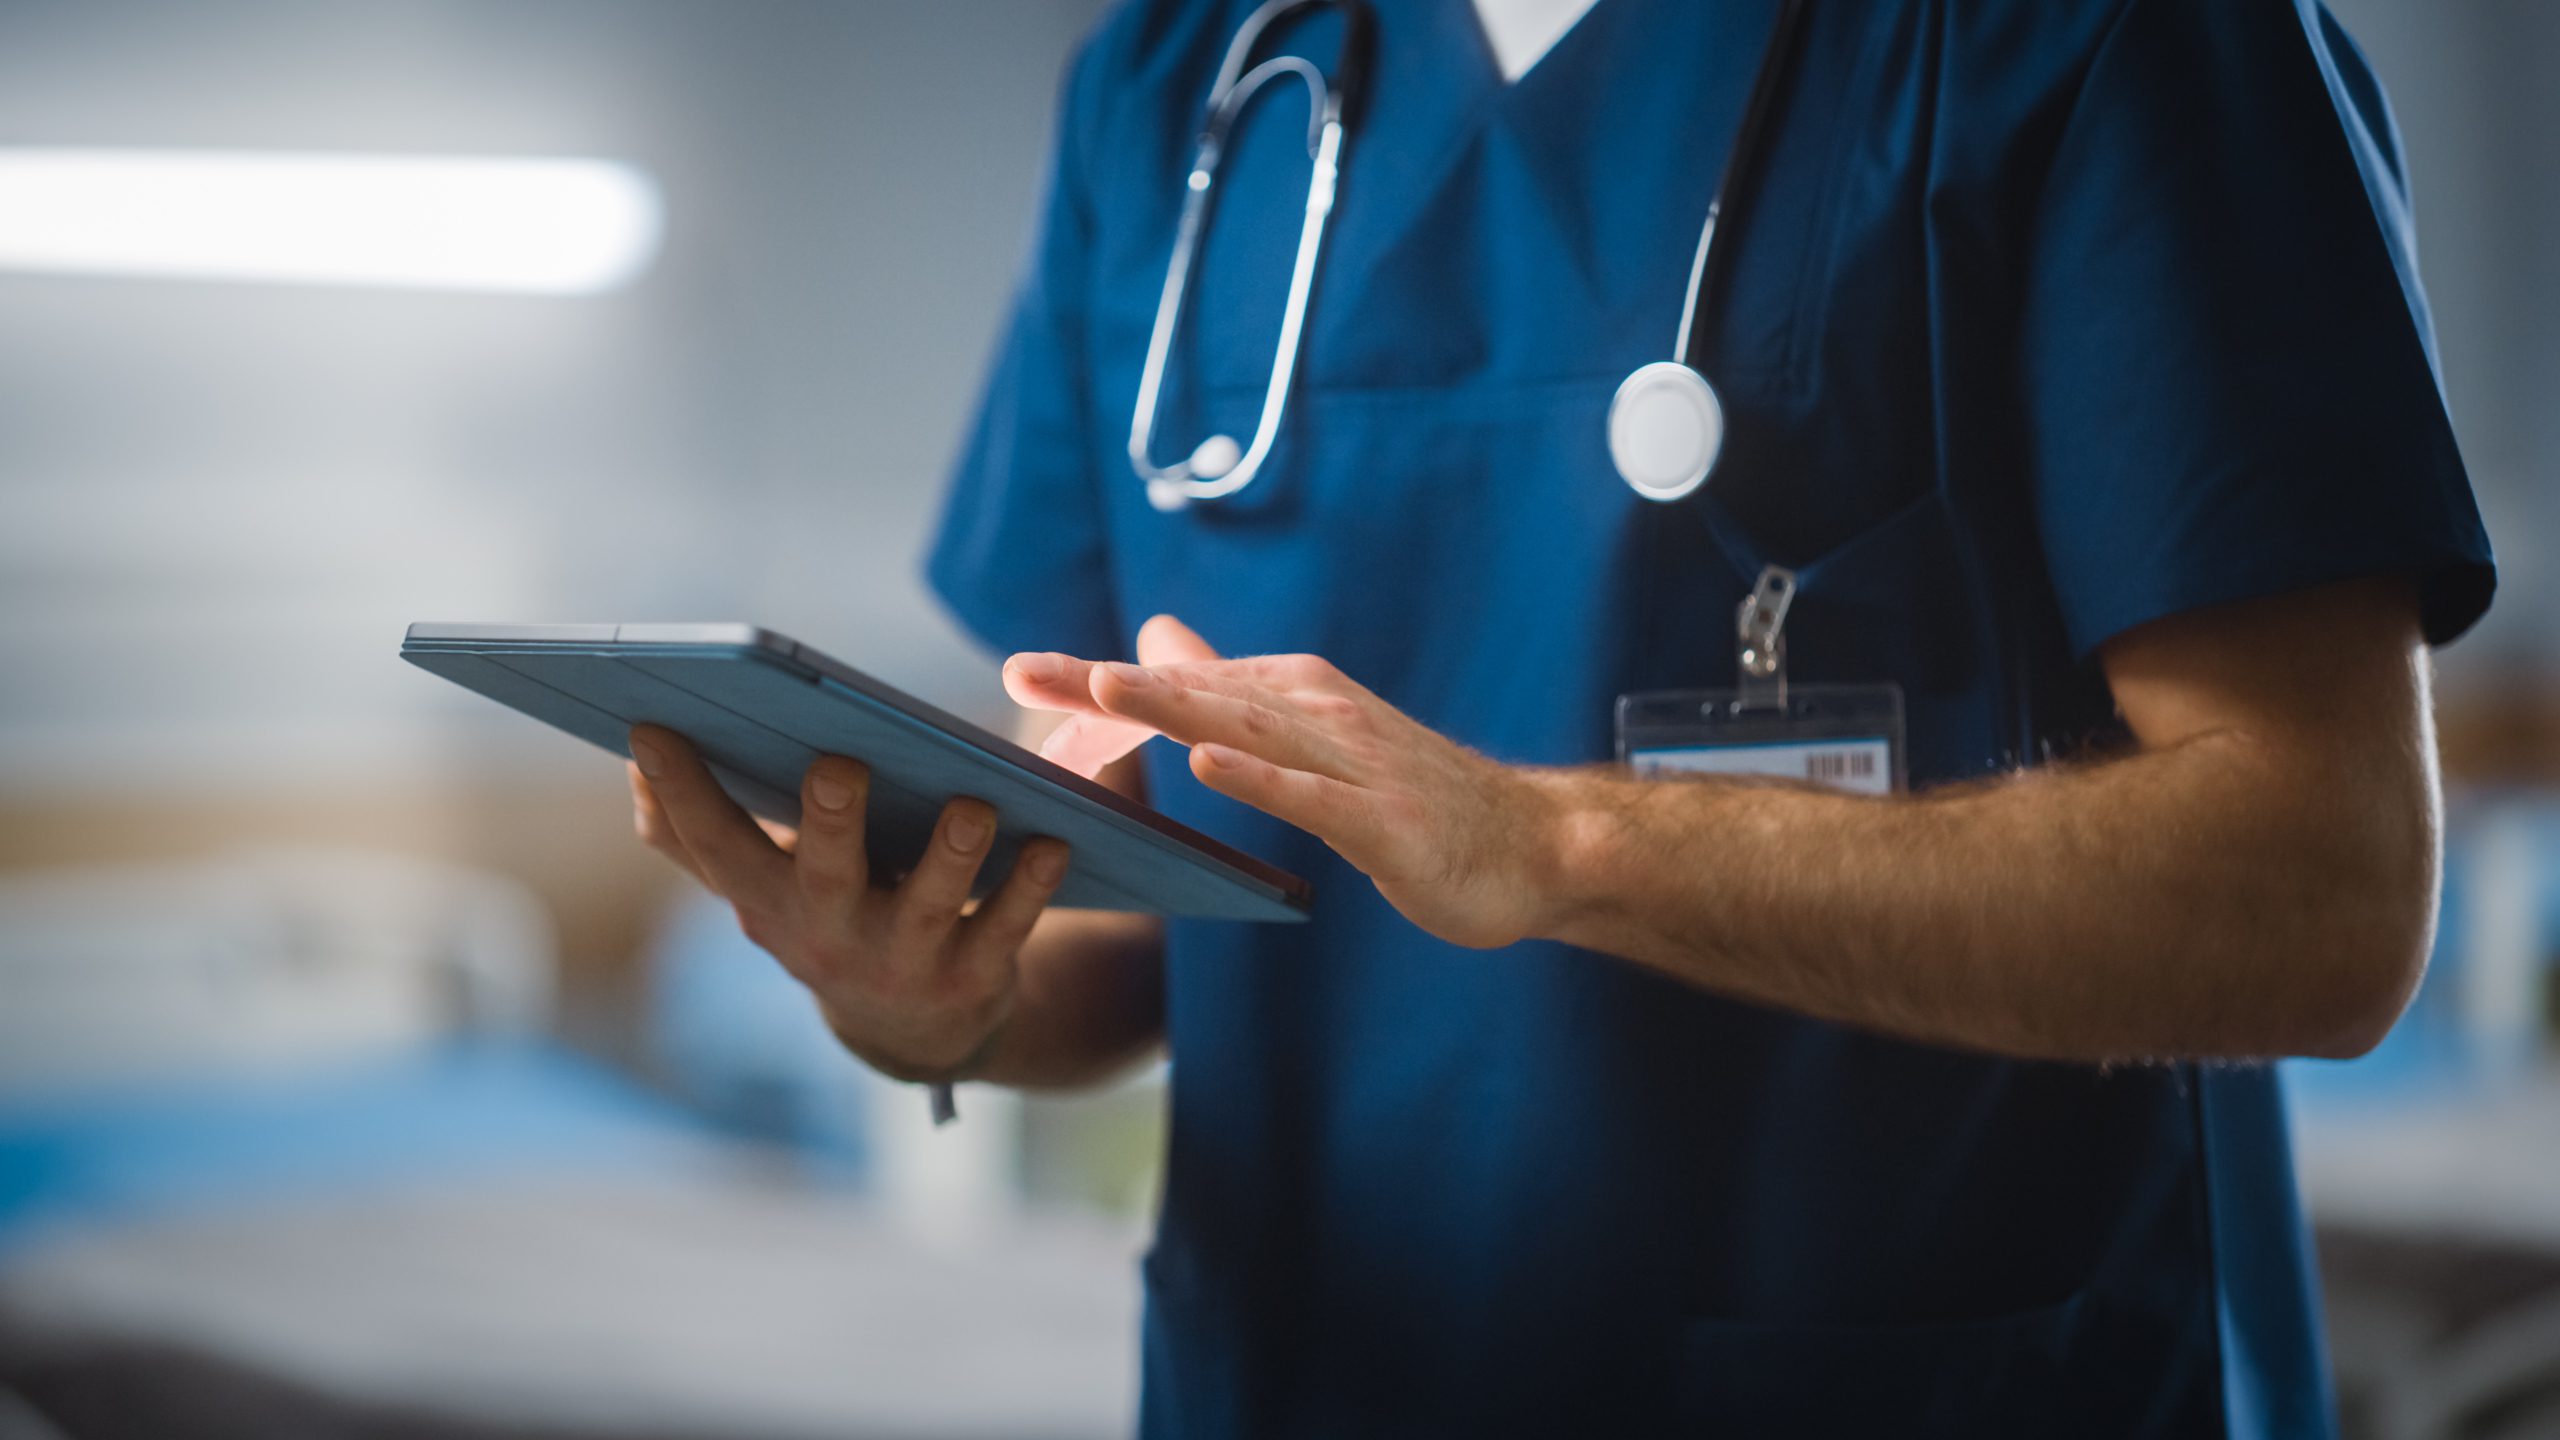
(1020,555)
(2227,397)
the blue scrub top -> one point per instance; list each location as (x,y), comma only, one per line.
(2048,319)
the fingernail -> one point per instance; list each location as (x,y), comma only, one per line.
(1221,757)
(1039,666)
(652,760)
(1136,677)
(831,794)
(1047,864)
(965,832)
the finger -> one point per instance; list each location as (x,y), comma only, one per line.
(1164,640)
(785,838)
(1345,817)
(650,822)
(930,901)
(1288,674)
(1047,680)
(832,864)
(1003,922)
(1193,707)
(1088,743)
(737,860)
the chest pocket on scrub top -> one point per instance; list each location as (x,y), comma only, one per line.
(1820,341)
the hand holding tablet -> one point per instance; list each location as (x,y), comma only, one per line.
(906,974)
(881,787)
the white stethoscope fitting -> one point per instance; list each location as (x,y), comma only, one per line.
(1666,424)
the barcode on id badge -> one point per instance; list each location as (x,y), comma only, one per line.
(1860,764)
(1839,767)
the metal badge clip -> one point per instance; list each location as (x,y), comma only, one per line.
(1760,627)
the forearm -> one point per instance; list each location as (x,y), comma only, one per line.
(2217,897)
(2257,876)
(1089,1003)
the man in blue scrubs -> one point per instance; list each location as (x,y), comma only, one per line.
(2075,359)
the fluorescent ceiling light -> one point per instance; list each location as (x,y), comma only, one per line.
(522,226)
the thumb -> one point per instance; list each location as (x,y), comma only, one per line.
(1164,640)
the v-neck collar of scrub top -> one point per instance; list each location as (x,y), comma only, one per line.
(1521,32)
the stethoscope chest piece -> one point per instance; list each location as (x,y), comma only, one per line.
(1666,428)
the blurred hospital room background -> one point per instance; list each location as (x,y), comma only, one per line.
(360,1075)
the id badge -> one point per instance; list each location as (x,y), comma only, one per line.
(1849,737)
(1845,736)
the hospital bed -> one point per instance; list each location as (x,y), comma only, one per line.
(285,1151)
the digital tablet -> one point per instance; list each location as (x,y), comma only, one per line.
(761,707)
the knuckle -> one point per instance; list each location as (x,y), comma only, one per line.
(968,992)
(924,914)
(1402,817)
(1004,920)
(1333,707)
(1037,870)
(828,884)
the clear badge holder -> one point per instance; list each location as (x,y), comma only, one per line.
(1848,737)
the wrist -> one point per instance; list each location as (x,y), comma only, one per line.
(1572,845)
(969,1066)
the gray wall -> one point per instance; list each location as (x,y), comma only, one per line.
(220,504)
(2471,82)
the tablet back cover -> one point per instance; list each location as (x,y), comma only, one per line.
(760,708)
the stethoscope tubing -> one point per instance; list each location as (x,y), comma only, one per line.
(1750,146)
(1208,473)
(1666,424)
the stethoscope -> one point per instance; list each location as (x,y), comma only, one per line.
(1666,424)
(1218,467)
